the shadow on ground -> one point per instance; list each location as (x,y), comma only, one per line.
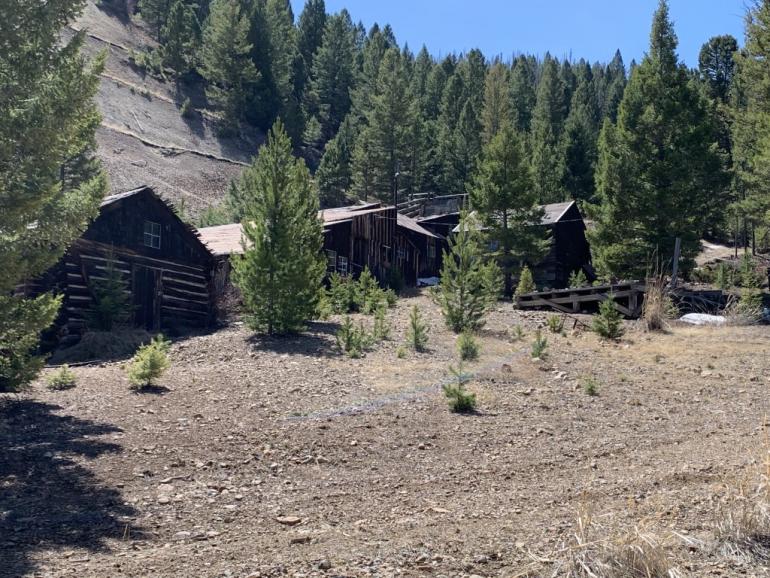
(47,499)
(318,341)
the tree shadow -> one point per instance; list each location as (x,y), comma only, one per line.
(48,500)
(151,390)
(317,341)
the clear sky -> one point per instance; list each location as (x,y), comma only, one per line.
(591,29)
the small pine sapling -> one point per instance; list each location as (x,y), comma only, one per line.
(417,333)
(555,323)
(539,345)
(608,323)
(517,333)
(467,346)
(577,279)
(149,362)
(591,387)
(401,352)
(61,379)
(352,340)
(460,399)
(341,294)
(111,299)
(381,330)
(526,282)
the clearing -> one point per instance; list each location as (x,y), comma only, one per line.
(284,458)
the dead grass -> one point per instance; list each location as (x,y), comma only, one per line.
(598,550)
(743,517)
(657,308)
(738,314)
(102,346)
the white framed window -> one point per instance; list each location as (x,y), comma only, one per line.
(152,235)
(342,265)
(331,260)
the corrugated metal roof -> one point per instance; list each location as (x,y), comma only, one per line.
(552,214)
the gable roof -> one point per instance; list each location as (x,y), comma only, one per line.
(552,214)
(223,239)
(414,226)
(191,232)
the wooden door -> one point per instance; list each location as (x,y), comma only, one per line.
(147,297)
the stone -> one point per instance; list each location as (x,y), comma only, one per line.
(324,565)
(182,535)
(288,520)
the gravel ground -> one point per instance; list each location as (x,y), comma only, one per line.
(283,458)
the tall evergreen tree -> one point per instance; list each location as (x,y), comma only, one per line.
(334,175)
(716,64)
(327,101)
(469,285)
(497,102)
(227,65)
(547,123)
(384,148)
(657,166)
(523,97)
(502,193)
(50,181)
(751,127)
(613,87)
(282,268)
(154,13)
(182,34)
(310,30)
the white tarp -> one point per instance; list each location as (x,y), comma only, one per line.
(703,319)
(427,281)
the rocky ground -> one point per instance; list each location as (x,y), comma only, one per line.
(284,458)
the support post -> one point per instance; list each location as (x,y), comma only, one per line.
(675,270)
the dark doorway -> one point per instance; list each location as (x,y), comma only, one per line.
(147,296)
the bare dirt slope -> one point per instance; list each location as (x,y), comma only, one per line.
(144,139)
(284,458)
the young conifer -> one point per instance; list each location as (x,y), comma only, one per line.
(282,267)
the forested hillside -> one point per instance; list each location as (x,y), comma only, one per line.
(647,147)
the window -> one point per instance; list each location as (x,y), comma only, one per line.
(431,251)
(152,234)
(331,260)
(342,265)
(402,254)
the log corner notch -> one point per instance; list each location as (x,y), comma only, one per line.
(166,267)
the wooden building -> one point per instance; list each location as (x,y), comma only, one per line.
(369,235)
(164,264)
(569,249)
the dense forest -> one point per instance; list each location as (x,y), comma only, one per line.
(373,118)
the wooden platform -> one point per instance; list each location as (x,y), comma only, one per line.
(627,298)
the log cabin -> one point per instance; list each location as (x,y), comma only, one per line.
(164,264)
(569,250)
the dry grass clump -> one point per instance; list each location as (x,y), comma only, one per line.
(742,312)
(596,550)
(743,517)
(102,346)
(657,308)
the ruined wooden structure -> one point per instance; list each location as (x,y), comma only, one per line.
(627,298)
(165,266)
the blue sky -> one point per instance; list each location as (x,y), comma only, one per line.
(591,29)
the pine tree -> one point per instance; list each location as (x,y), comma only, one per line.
(111,299)
(497,102)
(751,127)
(657,167)
(383,148)
(716,64)
(227,67)
(469,285)
(154,13)
(282,267)
(501,191)
(417,332)
(547,122)
(328,96)
(613,87)
(50,181)
(334,177)
(523,97)
(182,34)
(310,30)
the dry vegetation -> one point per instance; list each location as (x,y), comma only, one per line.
(286,458)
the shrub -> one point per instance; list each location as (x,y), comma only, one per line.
(517,334)
(591,386)
(187,110)
(608,323)
(368,294)
(417,333)
(526,282)
(723,277)
(460,400)
(539,345)
(401,352)
(341,293)
(381,329)
(111,300)
(391,297)
(149,363)
(555,323)
(577,279)
(467,346)
(352,340)
(748,273)
(62,378)
(324,308)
